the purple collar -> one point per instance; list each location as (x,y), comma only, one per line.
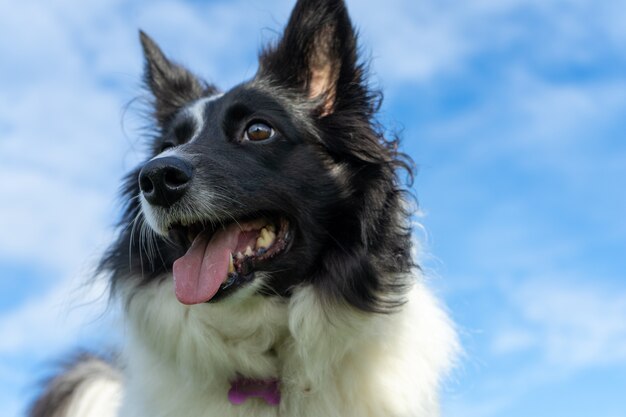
(243,388)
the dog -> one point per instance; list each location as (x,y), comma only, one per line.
(264,259)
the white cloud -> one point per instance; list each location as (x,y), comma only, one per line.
(554,147)
(548,331)
(56,321)
(574,324)
(513,340)
(419,41)
(537,166)
(55,224)
(411,41)
(61,155)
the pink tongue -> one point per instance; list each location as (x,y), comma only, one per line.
(199,273)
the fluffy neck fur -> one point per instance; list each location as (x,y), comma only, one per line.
(330,363)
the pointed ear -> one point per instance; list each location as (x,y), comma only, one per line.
(171,84)
(317,53)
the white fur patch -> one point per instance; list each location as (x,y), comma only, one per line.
(196,111)
(96,398)
(331,361)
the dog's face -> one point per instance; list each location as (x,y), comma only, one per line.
(279,181)
(240,183)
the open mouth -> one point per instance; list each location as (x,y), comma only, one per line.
(220,261)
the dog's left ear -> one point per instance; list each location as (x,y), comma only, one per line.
(172,85)
(317,53)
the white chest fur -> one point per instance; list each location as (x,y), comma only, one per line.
(331,361)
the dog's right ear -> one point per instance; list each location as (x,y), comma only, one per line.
(172,85)
(317,55)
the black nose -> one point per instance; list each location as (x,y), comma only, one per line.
(164,181)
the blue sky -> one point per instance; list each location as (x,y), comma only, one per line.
(514,110)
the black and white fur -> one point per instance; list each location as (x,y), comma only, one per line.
(342,317)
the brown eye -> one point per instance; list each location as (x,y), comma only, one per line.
(258,131)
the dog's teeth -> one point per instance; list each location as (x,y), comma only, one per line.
(248,251)
(271,228)
(231,264)
(271,237)
(266,239)
(261,241)
(239,255)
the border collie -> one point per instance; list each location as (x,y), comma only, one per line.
(264,259)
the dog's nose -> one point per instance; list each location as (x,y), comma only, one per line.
(164,181)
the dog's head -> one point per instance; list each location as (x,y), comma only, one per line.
(281,181)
